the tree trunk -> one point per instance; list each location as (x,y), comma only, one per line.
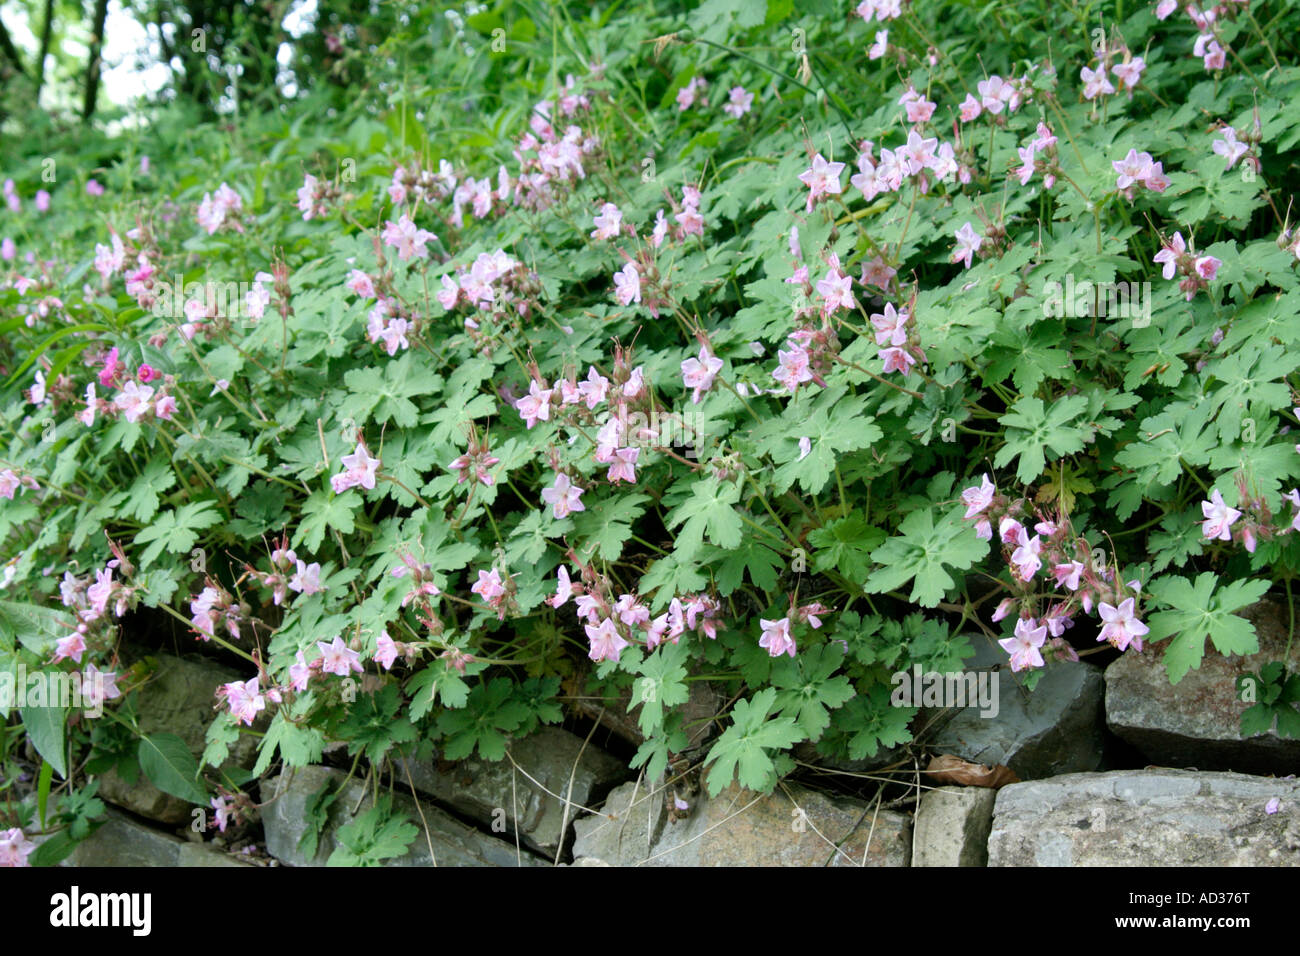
(46,30)
(92,64)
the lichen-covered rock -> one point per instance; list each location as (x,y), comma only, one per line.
(285,820)
(952,827)
(794,826)
(549,763)
(1197,722)
(1147,818)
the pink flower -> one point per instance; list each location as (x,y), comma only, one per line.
(1218,518)
(93,188)
(740,102)
(1095,82)
(1228,147)
(897,360)
(215,210)
(133,401)
(1067,575)
(968,243)
(594,388)
(822,179)
(386,651)
(299,672)
(1207,267)
(978,497)
(1129,73)
(1023,647)
(622,465)
(563,496)
(995,94)
(307,580)
(359,469)
(837,291)
(608,222)
(489,587)
(536,405)
(15,848)
(1270,808)
(627,284)
(805,447)
(72,646)
(1169,253)
(699,373)
(563,590)
(1026,557)
(164,408)
(891,326)
(1122,626)
(776,637)
(1165,7)
(606,643)
(407,238)
(878,49)
(794,368)
(244,700)
(339,659)
(360,283)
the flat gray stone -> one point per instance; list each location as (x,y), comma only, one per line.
(495,791)
(743,828)
(125,842)
(952,827)
(1197,722)
(1147,818)
(178,699)
(454,844)
(1056,729)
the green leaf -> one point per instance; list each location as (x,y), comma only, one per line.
(710,510)
(921,552)
(46,728)
(1199,611)
(176,531)
(169,765)
(1032,430)
(662,684)
(742,750)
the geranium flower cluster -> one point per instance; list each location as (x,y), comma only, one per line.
(15,848)
(288,573)
(316,196)
(136,400)
(476,461)
(612,624)
(495,283)
(219,210)
(809,357)
(214,609)
(1068,560)
(778,637)
(996,96)
(1178,259)
(1255,516)
(549,165)
(1138,168)
(411,183)
(1039,156)
(896,335)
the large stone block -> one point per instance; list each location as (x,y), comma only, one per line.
(952,827)
(1147,818)
(1197,722)
(531,796)
(453,843)
(793,826)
